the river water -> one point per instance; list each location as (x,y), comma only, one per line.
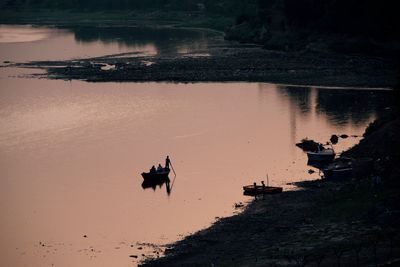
(71,152)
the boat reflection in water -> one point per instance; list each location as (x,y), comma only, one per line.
(153,183)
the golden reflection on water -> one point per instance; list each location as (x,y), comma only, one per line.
(71,154)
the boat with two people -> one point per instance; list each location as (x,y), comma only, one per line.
(254,189)
(251,190)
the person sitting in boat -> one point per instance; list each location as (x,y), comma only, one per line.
(159,168)
(153,169)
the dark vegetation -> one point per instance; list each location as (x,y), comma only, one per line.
(335,25)
(388,115)
(100,5)
(349,26)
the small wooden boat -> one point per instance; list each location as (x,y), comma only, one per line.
(339,169)
(342,173)
(157,175)
(338,173)
(323,155)
(249,190)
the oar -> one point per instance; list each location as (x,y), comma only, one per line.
(170,163)
(173,182)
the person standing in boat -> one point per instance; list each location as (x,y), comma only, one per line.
(167,162)
(263,189)
(255,191)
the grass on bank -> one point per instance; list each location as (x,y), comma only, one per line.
(355,199)
(216,23)
(128,18)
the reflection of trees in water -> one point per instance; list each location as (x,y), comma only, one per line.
(343,106)
(299,103)
(298,97)
(340,106)
(165,40)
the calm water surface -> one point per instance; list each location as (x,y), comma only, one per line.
(71,154)
(30,43)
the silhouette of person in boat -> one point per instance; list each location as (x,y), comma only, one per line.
(159,168)
(167,162)
(153,169)
(263,189)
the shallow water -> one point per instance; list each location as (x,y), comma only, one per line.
(71,154)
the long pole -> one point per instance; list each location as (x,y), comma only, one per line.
(173,182)
(170,163)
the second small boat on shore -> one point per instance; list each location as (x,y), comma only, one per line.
(340,169)
(250,190)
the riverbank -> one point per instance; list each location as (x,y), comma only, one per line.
(323,223)
(217,60)
(230,62)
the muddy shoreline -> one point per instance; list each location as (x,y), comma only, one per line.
(228,63)
(292,229)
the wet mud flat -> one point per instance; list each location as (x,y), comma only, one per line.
(322,224)
(229,63)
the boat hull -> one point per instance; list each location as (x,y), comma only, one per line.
(339,173)
(320,157)
(157,176)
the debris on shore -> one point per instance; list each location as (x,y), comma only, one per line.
(334,139)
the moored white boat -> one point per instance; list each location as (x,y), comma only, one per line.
(324,155)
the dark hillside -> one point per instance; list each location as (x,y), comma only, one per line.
(338,25)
